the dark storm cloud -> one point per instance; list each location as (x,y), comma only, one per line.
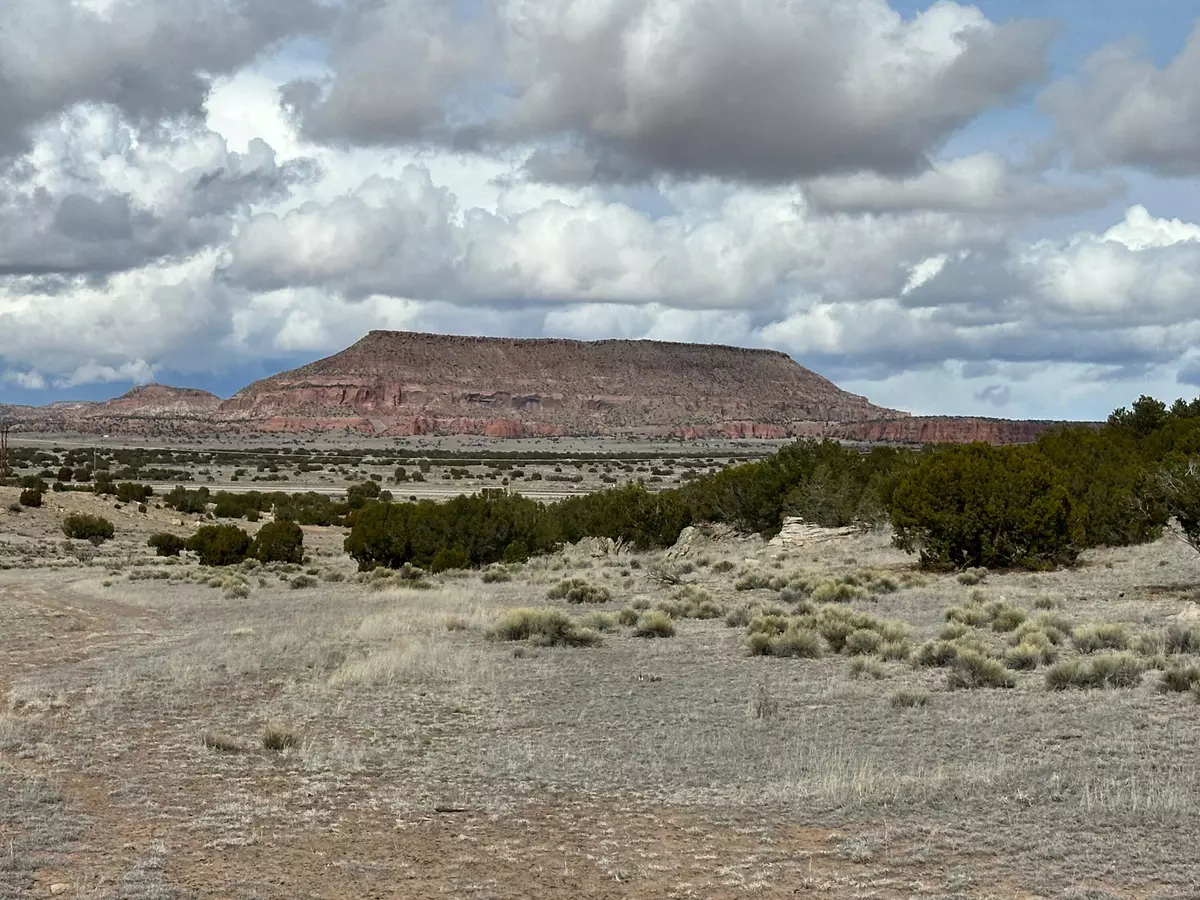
(151,59)
(741,89)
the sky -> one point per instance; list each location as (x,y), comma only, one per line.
(954,209)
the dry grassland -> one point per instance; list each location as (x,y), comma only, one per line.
(172,732)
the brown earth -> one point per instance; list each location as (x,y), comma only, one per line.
(403,384)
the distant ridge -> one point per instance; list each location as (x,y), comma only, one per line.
(401,383)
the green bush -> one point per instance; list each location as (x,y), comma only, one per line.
(1101,636)
(278,542)
(128,492)
(220,545)
(978,505)
(576,590)
(544,627)
(972,669)
(654,623)
(1117,670)
(795,642)
(862,642)
(165,544)
(81,526)
(31,498)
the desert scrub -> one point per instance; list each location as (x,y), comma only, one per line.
(302,581)
(861,642)
(1116,670)
(576,590)
(628,616)
(973,615)
(1028,656)
(973,576)
(863,667)
(496,576)
(1101,636)
(909,698)
(81,526)
(544,627)
(972,669)
(895,650)
(1006,618)
(1179,678)
(739,616)
(940,654)
(237,592)
(952,631)
(723,566)
(837,592)
(793,642)
(753,581)
(601,621)
(654,623)
(1182,638)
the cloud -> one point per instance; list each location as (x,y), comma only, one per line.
(995,395)
(407,237)
(138,371)
(618,89)
(150,59)
(1123,110)
(93,198)
(30,381)
(985,183)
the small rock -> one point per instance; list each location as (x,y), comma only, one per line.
(60,887)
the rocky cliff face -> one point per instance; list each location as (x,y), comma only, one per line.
(406,383)
(945,430)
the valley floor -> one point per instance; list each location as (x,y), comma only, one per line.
(170,733)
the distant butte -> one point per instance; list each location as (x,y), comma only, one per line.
(396,384)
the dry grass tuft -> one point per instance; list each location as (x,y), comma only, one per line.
(221,743)
(278,739)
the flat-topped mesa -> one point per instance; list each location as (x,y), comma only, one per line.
(414,383)
(159,400)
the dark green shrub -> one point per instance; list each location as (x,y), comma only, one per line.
(128,492)
(450,558)
(220,545)
(279,542)
(165,544)
(82,526)
(985,506)
(31,498)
